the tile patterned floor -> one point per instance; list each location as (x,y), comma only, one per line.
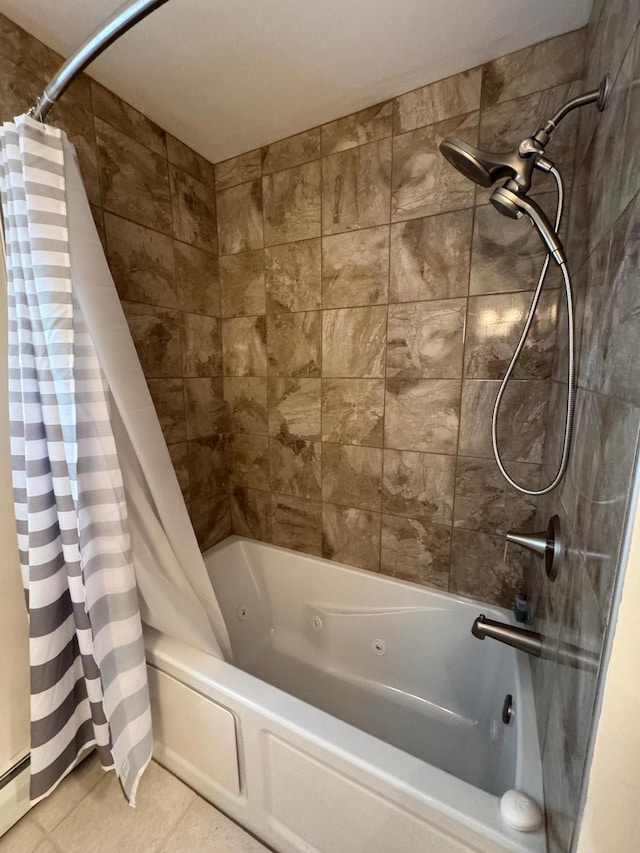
(88,814)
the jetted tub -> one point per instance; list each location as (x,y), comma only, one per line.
(359,715)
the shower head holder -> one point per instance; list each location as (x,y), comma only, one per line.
(516,166)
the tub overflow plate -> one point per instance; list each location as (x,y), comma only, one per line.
(507,709)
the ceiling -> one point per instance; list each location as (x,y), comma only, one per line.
(226,77)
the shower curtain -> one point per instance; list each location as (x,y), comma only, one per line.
(103,533)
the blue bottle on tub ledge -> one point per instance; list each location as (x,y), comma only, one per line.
(521,608)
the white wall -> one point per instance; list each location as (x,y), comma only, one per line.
(14,667)
(611,819)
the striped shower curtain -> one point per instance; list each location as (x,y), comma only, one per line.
(88,674)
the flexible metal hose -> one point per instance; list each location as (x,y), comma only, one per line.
(571,367)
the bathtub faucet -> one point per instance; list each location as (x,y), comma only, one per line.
(535,644)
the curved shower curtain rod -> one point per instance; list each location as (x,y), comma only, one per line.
(122,20)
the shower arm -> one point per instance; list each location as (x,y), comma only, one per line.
(120,22)
(597,96)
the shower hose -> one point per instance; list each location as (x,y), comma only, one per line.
(571,368)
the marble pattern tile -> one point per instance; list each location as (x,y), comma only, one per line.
(201,345)
(17,90)
(521,427)
(134,181)
(249,461)
(207,462)
(206,411)
(603,165)
(479,571)
(541,66)
(239,210)
(251,513)
(141,262)
(211,519)
(425,339)
(612,312)
(115,111)
(242,289)
(353,411)
(355,268)
(179,454)
(418,485)
(606,430)
(356,187)
(297,524)
(507,253)
(197,280)
(485,501)
(292,151)
(246,397)
(295,466)
(292,204)
(168,399)
(423,182)
(73,114)
(294,408)
(368,125)
(422,414)
(351,476)
(98,220)
(630,172)
(35,58)
(293,278)
(194,211)
(494,326)
(351,536)
(415,551)
(156,335)
(574,691)
(353,342)
(580,221)
(244,346)
(559,808)
(189,161)
(238,170)
(430,257)
(608,37)
(453,96)
(293,343)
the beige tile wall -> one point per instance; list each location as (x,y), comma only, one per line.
(154,204)
(594,499)
(371,299)
(329,376)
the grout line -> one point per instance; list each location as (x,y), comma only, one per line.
(268,376)
(350,230)
(465,335)
(386,341)
(322,343)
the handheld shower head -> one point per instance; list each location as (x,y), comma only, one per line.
(510,204)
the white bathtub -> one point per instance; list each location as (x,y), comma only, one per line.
(360,715)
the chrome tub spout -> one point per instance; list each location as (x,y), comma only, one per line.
(535,644)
